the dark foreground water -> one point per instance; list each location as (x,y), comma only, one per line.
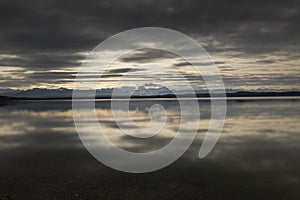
(257,156)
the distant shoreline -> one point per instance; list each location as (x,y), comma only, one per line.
(172,96)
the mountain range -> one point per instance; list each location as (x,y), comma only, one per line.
(138,92)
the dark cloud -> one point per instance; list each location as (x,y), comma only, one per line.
(48,34)
(77,25)
(123,70)
(147,55)
(265,61)
(52,75)
(43,61)
(181,64)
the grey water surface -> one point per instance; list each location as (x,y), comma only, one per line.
(256,157)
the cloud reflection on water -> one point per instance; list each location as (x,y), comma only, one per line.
(257,155)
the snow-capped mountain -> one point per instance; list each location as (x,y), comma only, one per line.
(67,93)
(147,90)
(40,93)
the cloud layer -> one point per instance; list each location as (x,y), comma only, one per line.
(256,44)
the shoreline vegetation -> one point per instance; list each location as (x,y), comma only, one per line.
(202,95)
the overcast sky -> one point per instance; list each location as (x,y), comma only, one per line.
(255,43)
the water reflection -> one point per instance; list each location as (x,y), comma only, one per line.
(257,156)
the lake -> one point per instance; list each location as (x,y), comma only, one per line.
(256,157)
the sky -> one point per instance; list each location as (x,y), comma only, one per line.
(254,43)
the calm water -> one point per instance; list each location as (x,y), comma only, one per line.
(257,156)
